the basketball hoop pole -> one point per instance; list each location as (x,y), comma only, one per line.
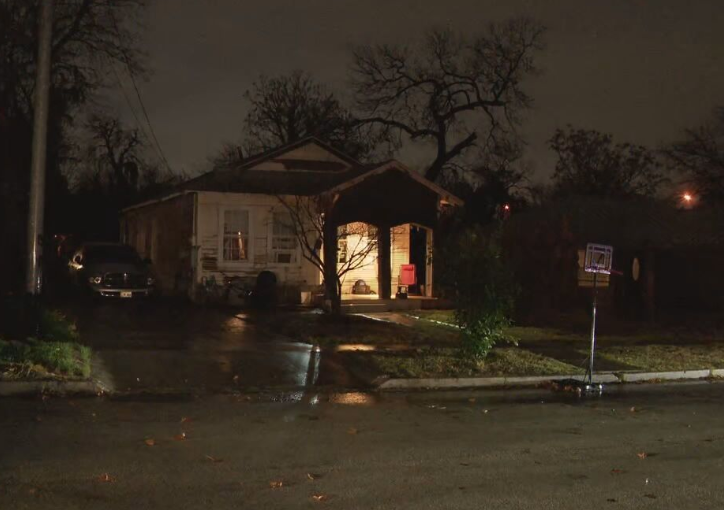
(593,331)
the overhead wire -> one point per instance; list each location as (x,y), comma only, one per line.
(129,69)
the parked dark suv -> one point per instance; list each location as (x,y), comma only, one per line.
(111,270)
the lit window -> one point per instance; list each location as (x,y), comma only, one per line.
(284,240)
(236,235)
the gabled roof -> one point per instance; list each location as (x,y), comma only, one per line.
(278,151)
(396,165)
(271,182)
(246,178)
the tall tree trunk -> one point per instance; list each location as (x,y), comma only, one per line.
(331,280)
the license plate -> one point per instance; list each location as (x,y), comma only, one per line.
(126,294)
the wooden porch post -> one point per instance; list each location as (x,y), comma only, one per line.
(329,248)
(384,267)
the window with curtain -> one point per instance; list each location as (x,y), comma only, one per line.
(283,241)
(236,235)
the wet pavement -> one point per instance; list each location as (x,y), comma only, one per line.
(165,346)
(653,446)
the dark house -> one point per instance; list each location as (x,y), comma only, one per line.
(665,258)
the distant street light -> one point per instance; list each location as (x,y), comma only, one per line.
(688,197)
(506,211)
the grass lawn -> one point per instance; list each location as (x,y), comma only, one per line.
(320,329)
(39,359)
(430,349)
(39,343)
(609,333)
(666,357)
(447,362)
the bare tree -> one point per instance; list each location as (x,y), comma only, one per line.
(699,158)
(309,219)
(114,152)
(454,91)
(88,37)
(287,108)
(590,163)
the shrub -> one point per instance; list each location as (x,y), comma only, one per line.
(477,278)
(26,317)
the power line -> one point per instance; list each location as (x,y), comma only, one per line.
(138,95)
(139,124)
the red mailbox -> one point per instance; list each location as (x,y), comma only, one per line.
(408,276)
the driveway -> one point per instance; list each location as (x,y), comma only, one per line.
(167,346)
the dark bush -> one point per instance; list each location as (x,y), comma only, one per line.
(475,275)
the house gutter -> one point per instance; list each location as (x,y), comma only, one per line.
(156,200)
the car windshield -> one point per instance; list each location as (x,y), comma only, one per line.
(111,253)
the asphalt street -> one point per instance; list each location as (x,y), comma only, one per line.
(644,447)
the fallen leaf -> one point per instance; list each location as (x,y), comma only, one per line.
(471,400)
(276,484)
(320,497)
(352,431)
(633,409)
(312,476)
(236,379)
(214,459)
(610,500)
(616,471)
(105,478)
(32,490)
(642,455)
(180,437)
(150,442)
(186,420)
(650,496)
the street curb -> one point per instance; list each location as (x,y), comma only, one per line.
(497,382)
(625,377)
(60,388)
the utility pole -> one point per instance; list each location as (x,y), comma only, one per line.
(36,210)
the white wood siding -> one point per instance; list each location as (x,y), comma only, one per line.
(399,252)
(210,229)
(367,271)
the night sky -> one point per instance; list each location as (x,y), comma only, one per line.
(642,70)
